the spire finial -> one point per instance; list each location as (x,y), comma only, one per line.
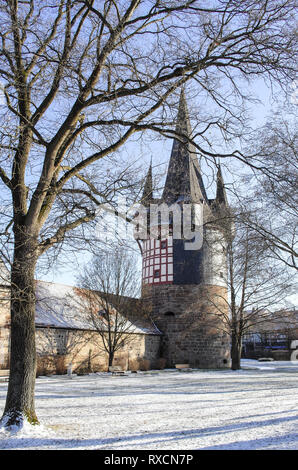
(183,123)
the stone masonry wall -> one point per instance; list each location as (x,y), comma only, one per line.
(189,316)
(84,349)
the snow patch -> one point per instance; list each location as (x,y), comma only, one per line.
(23,430)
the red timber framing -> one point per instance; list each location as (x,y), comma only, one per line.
(158,261)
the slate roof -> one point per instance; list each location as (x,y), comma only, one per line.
(62,306)
(184,181)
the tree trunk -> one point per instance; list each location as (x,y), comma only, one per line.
(111,358)
(20,396)
(236,352)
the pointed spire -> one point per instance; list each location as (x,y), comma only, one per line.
(184,181)
(221,196)
(148,188)
(183,122)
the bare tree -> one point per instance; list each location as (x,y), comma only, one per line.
(272,194)
(256,286)
(80,79)
(111,283)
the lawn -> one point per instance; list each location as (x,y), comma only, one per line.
(254,408)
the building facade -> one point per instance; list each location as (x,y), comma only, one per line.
(66,334)
(274,335)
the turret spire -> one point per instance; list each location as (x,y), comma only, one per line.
(221,196)
(184,181)
(148,188)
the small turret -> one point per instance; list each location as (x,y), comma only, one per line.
(147,197)
(222,213)
(221,196)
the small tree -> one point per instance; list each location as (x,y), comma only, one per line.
(255,287)
(273,195)
(111,282)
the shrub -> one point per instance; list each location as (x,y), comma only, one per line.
(82,370)
(161,363)
(144,364)
(44,365)
(134,364)
(121,362)
(60,366)
(99,367)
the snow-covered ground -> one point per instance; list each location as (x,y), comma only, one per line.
(254,408)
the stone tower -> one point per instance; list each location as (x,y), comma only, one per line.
(184,283)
